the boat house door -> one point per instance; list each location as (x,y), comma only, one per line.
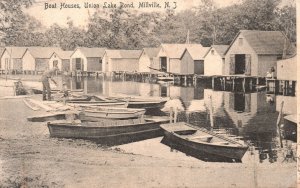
(163,63)
(240,63)
(78,64)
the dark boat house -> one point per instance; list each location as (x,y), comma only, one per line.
(254,53)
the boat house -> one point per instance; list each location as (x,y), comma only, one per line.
(148,61)
(62,58)
(192,59)
(87,59)
(214,60)
(121,60)
(170,58)
(37,58)
(254,53)
(11,59)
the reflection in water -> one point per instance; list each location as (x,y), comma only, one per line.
(250,116)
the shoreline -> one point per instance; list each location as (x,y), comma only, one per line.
(29,157)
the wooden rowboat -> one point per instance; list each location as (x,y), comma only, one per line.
(138,101)
(98,113)
(203,141)
(54,116)
(95,101)
(108,132)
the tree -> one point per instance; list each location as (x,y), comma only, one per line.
(12,19)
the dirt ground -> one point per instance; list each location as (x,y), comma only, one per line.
(29,158)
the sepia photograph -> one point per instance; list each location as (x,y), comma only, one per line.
(160,93)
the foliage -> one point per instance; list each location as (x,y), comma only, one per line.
(118,28)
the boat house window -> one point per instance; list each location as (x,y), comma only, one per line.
(240,41)
(212,52)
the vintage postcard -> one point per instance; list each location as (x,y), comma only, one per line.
(160,93)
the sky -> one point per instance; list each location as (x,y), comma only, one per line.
(80,16)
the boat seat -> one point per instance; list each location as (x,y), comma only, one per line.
(204,136)
(222,143)
(207,137)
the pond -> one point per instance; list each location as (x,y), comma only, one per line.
(250,117)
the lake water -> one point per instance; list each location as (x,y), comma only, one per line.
(249,116)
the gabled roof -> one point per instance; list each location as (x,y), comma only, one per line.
(265,42)
(220,49)
(151,52)
(123,54)
(176,50)
(16,52)
(91,52)
(42,52)
(63,54)
(2,49)
(197,52)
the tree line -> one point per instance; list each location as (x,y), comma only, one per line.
(122,29)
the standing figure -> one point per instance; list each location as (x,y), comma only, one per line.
(48,74)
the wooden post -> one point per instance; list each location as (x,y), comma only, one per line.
(244,84)
(233,83)
(213,83)
(175,115)
(171,114)
(211,113)
(187,117)
(278,124)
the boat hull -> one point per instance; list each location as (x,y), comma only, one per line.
(98,116)
(146,105)
(198,140)
(227,152)
(107,135)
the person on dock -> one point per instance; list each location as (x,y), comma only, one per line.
(48,74)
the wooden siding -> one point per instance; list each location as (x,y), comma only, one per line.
(213,63)
(174,66)
(199,67)
(265,62)
(28,62)
(65,65)
(17,64)
(144,63)
(4,58)
(78,54)
(187,64)
(129,65)
(93,64)
(238,48)
(53,58)
(41,64)
(287,69)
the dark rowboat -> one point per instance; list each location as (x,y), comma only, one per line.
(108,132)
(289,127)
(98,113)
(203,141)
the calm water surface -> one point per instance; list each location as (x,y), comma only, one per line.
(248,116)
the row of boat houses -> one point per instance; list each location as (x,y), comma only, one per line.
(251,53)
